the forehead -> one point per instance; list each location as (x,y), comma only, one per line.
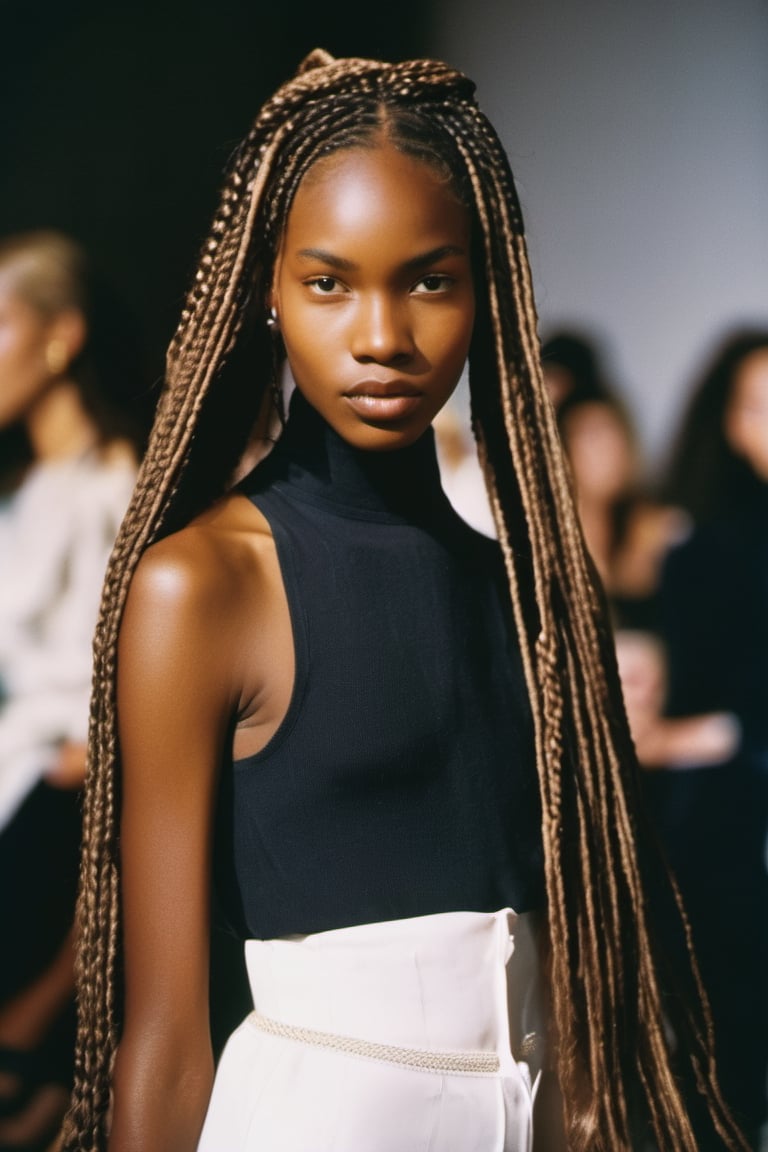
(593,416)
(12,296)
(752,376)
(20,284)
(360,190)
(8,278)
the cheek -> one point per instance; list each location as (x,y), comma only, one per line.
(448,336)
(748,436)
(309,331)
(16,355)
(23,370)
(311,349)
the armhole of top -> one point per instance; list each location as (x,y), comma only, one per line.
(299,632)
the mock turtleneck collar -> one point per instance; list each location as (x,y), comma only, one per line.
(313,464)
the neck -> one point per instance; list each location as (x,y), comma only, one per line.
(597,524)
(317,465)
(58,426)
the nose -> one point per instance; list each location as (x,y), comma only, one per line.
(382,331)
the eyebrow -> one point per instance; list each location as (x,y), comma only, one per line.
(412,265)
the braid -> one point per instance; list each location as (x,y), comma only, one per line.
(607,1008)
(587,765)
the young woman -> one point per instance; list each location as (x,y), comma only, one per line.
(628,531)
(395,747)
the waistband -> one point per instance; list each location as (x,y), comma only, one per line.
(455,981)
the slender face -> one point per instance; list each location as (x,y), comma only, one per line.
(24,373)
(747,413)
(374,294)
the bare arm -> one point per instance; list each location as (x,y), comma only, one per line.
(175,701)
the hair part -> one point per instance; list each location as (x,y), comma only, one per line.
(611,1046)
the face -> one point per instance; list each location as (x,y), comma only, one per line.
(746,420)
(24,373)
(374,294)
(602,458)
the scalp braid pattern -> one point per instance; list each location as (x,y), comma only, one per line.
(605,988)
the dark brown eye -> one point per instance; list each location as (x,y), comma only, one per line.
(324,284)
(435,282)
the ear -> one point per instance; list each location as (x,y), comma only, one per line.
(69,329)
(273,295)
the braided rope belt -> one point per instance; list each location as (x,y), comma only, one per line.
(417,1058)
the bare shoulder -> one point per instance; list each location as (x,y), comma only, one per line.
(206,629)
(202,565)
(198,600)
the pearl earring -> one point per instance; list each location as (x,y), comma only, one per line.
(272,319)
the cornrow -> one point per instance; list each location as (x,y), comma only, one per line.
(613,1055)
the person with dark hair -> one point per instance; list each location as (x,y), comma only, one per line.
(394,747)
(572,366)
(628,527)
(715,624)
(68,475)
(604,455)
(629,530)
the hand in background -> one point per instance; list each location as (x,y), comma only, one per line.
(69,769)
(661,741)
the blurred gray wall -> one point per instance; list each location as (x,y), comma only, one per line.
(638,135)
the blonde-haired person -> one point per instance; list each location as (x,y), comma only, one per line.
(65,489)
(395,747)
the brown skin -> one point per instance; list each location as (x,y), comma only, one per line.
(361,311)
(206,643)
(205,639)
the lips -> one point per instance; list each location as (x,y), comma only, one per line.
(383,401)
(382,388)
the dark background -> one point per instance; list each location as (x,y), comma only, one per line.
(116,120)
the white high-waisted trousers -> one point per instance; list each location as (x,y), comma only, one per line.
(420,1035)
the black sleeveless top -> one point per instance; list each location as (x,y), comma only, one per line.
(402,780)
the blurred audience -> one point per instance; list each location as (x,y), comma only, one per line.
(70,453)
(628,531)
(714,598)
(684,564)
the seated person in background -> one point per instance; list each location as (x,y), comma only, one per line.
(628,532)
(714,597)
(66,485)
(627,529)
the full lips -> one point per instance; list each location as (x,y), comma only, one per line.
(393,407)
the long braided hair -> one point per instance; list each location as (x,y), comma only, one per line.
(612,1047)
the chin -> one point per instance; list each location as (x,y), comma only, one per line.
(378,438)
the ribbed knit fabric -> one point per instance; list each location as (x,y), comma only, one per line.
(402,780)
